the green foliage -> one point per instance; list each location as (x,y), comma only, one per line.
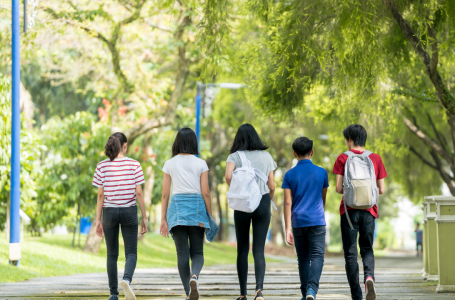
(75,146)
(30,148)
(386,235)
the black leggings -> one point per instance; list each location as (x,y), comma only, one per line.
(261,221)
(126,219)
(189,243)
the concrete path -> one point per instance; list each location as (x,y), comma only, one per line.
(397,278)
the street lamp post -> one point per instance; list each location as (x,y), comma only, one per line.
(200,88)
(14,243)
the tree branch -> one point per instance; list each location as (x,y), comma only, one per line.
(434,49)
(440,137)
(445,176)
(162,28)
(89,30)
(181,76)
(452,130)
(428,141)
(444,95)
(423,159)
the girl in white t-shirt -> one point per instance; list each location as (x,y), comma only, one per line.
(190,210)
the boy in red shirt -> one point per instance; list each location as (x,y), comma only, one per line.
(363,221)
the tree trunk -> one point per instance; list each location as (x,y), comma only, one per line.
(148,189)
(93,242)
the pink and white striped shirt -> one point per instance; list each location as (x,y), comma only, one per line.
(119,179)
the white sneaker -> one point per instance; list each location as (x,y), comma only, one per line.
(194,289)
(370,291)
(129,294)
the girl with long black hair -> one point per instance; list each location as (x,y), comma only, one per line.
(119,180)
(190,210)
(248,141)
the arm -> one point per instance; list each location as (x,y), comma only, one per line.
(339,188)
(230,167)
(206,192)
(99,209)
(324,195)
(140,199)
(271,185)
(381,185)
(164,229)
(287,216)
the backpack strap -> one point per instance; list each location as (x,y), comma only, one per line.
(349,153)
(243,159)
(366,153)
(347,215)
(261,175)
(246,163)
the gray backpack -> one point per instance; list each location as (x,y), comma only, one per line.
(359,183)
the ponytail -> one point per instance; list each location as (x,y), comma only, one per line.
(114,145)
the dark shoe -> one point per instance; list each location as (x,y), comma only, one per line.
(370,291)
(113,297)
(194,289)
(129,293)
(241,298)
(259,296)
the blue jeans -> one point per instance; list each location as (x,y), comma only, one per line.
(310,248)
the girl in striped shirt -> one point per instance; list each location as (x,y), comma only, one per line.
(119,180)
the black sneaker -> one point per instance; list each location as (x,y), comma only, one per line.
(241,298)
(259,296)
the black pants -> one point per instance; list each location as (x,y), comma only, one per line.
(261,221)
(113,217)
(195,250)
(363,223)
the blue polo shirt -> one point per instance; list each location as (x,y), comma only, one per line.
(306,182)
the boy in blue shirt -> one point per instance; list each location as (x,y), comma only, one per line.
(305,189)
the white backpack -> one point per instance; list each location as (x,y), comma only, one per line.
(244,193)
(359,183)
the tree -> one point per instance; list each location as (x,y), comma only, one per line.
(31,149)
(65,190)
(351,54)
(121,23)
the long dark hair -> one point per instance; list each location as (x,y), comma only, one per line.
(247,139)
(114,145)
(185,142)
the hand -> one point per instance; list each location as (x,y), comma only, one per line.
(289,237)
(144,226)
(164,229)
(99,229)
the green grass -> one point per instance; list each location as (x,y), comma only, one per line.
(52,255)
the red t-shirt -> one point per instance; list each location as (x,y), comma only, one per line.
(379,169)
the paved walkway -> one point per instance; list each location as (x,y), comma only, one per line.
(397,278)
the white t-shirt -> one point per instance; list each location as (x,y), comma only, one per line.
(185,172)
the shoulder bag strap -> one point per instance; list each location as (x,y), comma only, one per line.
(261,175)
(349,153)
(243,159)
(347,215)
(366,153)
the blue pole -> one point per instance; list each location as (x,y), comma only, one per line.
(198,115)
(14,246)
